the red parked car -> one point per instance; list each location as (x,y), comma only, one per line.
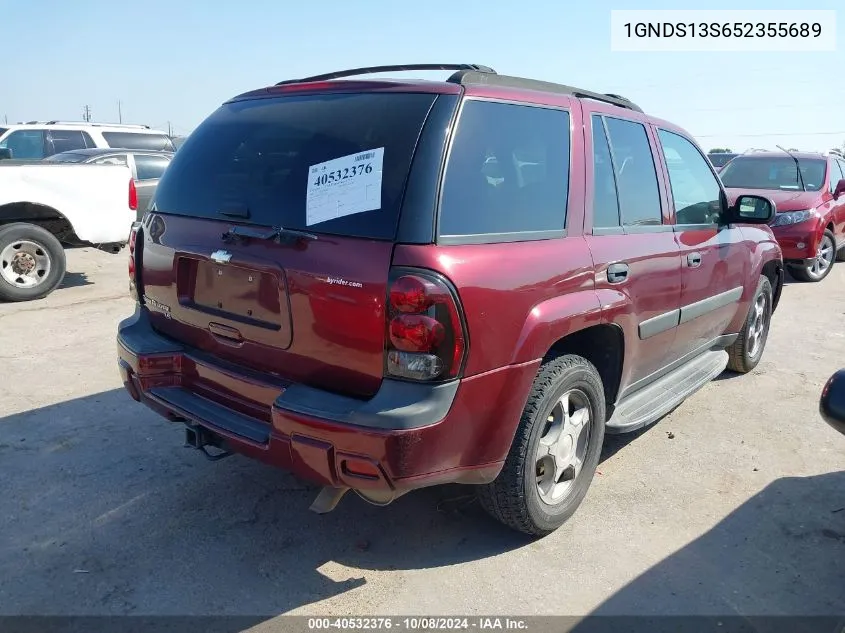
(384,285)
(810,223)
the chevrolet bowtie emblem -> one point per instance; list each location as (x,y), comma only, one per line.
(221,257)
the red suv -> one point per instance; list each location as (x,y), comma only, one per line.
(809,190)
(384,285)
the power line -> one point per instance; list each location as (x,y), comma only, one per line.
(729,135)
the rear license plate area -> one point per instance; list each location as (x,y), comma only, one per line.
(236,293)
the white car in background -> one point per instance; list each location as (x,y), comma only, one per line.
(44,206)
(37,140)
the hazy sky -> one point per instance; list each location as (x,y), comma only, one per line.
(175,61)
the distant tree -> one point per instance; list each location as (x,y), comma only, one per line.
(720,150)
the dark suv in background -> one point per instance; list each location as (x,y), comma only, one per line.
(384,285)
(809,190)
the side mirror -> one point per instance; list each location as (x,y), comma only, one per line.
(6,154)
(840,189)
(832,403)
(749,209)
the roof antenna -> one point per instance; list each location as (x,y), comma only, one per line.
(797,166)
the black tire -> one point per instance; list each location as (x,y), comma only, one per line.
(47,245)
(743,354)
(513,498)
(804,273)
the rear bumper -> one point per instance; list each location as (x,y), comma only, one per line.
(406,436)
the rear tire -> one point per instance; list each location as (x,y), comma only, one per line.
(745,353)
(32,262)
(822,264)
(555,451)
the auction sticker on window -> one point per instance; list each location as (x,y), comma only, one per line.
(344,186)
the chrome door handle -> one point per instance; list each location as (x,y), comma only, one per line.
(694,260)
(617,273)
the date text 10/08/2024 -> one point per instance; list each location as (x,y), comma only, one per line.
(418,624)
(723,29)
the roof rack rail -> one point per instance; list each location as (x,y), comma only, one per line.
(474,77)
(88,123)
(477,74)
(371,70)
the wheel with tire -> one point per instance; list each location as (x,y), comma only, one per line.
(555,451)
(821,265)
(745,353)
(32,262)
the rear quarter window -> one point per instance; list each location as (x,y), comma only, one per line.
(328,163)
(507,177)
(134,140)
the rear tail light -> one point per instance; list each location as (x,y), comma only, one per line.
(133,195)
(132,247)
(425,338)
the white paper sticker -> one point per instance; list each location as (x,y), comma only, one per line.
(344,186)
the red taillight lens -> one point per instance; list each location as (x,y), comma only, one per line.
(410,294)
(416,333)
(425,332)
(133,196)
(131,245)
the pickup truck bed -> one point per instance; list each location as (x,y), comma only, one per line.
(44,206)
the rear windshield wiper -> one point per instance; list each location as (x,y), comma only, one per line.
(278,234)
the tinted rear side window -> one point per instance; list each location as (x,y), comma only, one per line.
(133,140)
(150,167)
(636,178)
(605,199)
(67,140)
(508,172)
(331,163)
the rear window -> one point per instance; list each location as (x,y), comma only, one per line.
(134,140)
(330,163)
(66,157)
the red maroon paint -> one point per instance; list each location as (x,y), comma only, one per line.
(328,313)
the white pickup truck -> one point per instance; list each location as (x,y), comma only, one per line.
(44,206)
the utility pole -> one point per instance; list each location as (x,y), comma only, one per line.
(169,129)
(6,119)
(119,112)
(86,114)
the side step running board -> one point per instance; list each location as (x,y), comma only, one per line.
(650,403)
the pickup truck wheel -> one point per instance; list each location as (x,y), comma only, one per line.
(32,262)
(820,268)
(745,353)
(555,452)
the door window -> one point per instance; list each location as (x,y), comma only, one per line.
(605,198)
(25,144)
(695,189)
(67,140)
(636,177)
